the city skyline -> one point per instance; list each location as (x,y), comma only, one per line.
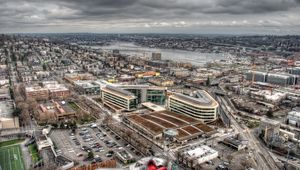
(278,17)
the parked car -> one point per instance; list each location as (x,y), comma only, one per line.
(79,154)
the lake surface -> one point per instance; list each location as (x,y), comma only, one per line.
(196,58)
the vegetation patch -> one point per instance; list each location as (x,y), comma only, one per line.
(35,157)
(11,142)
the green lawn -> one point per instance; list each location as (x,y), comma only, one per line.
(34,153)
(11,158)
(74,106)
(11,142)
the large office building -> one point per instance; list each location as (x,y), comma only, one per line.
(278,79)
(145,93)
(118,99)
(281,79)
(140,93)
(198,105)
(257,76)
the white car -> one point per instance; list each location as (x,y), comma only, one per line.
(120,148)
(94,125)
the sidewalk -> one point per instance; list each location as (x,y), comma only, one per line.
(26,155)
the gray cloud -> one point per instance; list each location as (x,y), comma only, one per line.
(148,15)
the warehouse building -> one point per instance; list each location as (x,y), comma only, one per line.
(153,125)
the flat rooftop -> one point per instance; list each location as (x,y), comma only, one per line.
(56,87)
(6,109)
(119,92)
(157,122)
(281,75)
(85,84)
(140,86)
(35,88)
(153,107)
(200,151)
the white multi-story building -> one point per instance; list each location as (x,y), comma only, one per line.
(293,118)
(199,105)
(194,156)
(118,99)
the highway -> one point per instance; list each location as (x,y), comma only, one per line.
(263,158)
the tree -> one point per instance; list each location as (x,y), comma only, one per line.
(26,117)
(11,92)
(31,103)
(229,158)
(270,114)
(17,112)
(246,163)
(23,105)
(208,81)
(44,66)
(19,99)
(90,154)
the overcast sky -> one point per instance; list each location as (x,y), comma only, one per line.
(151,16)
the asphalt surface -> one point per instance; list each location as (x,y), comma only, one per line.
(66,146)
(263,158)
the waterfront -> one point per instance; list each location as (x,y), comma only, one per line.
(196,58)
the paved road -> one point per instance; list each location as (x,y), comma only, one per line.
(262,156)
(26,155)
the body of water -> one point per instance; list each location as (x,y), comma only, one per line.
(196,58)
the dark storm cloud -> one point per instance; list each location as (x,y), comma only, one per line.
(98,14)
(253,6)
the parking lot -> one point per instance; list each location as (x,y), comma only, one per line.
(100,140)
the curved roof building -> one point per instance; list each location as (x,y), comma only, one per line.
(198,105)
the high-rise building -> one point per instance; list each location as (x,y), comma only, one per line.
(156,56)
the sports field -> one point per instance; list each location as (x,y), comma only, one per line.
(11,158)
